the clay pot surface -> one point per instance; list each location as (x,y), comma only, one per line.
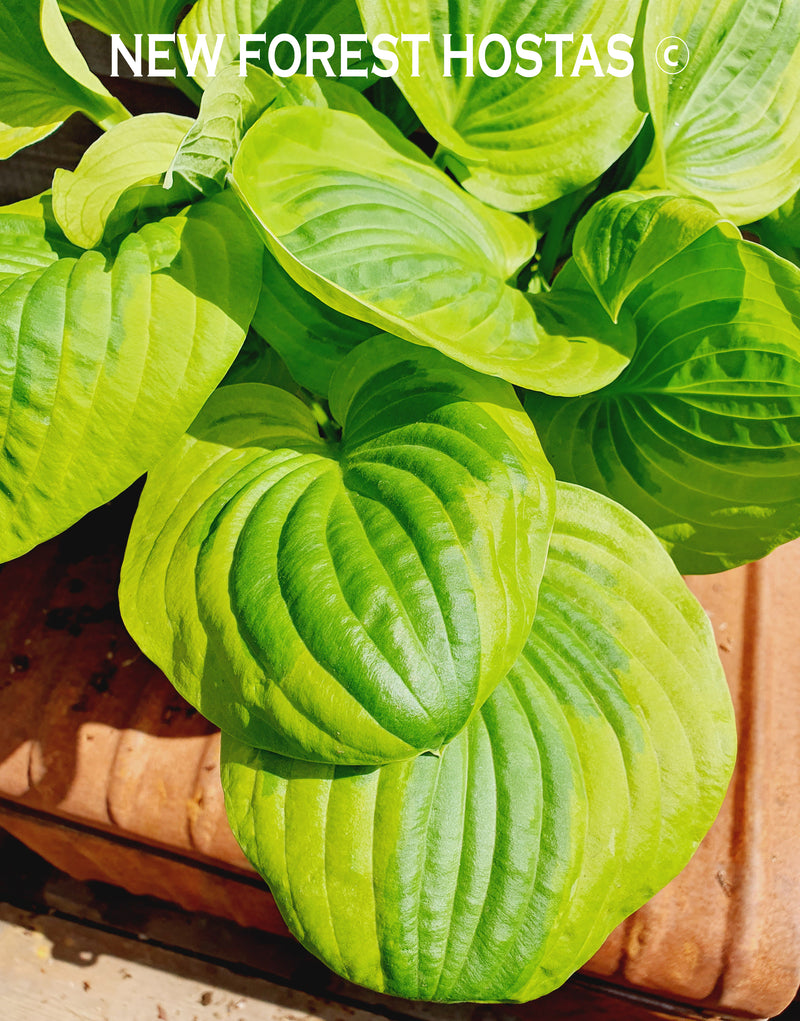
(109,774)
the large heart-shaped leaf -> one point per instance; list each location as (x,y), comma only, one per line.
(119,180)
(347,602)
(516,141)
(362,219)
(700,436)
(43,76)
(727,126)
(494,870)
(105,362)
(234,18)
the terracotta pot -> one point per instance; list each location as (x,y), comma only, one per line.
(110,775)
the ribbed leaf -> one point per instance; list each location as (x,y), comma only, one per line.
(347,602)
(517,142)
(727,126)
(628,235)
(583,785)
(105,362)
(366,223)
(233,18)
(700,436)
(43,77)
(119,180)
(30,238)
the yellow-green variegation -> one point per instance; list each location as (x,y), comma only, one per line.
(494,870)
(344,601)
(700,435)
(727,125)
(106,359)
(519,140)
(361,218)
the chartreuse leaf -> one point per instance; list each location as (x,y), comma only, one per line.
(366,223)
(105,362)
(234,18)
(628,235)
(727,127)
(353,601)
(310,336)
(30,238)
(43,76)
(126,18)
(583,785)
(516,141)
(119,179)
(700,436)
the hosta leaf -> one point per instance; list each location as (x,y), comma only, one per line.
(119,179)
(628,235)
(30,238)
(126,18)
(700,436)
(43,76)
(310,336)
(583,785)
(517,142)
(727,127)
(347,602)
(233,18)
(257,362)
(105,362)
(781,230)
(364,221)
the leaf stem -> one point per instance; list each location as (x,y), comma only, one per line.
(326,424)
(554,238)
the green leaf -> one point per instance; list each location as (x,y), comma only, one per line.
(104,363)
(43,77)
(310,336)
(126,18)
(516,142)
(257,362)
(583,785)
(118,181)
(628,235)
(353,601)
(365,222)
(700,436)
(233,18)
(727,127)
(30,238)
(781,230)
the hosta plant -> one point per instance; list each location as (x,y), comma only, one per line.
(439,382)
